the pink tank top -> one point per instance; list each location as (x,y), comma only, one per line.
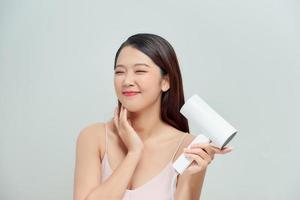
(160,187)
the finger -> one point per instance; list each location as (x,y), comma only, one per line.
(116,118)
(210,151)
(124,116)
(200,152)
(200,145)
(223,151)
(121,114)
(127,117)
(216,149)
(121,111)
(226,150)
(125,113)
(200,161)
(127,122)
(124,119)
(206,147)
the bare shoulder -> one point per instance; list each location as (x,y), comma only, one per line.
(91,131)
(188,138)
(92,135)
(87,172)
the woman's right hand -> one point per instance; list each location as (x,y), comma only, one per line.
(126,132)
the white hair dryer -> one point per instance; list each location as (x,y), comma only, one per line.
(210,123)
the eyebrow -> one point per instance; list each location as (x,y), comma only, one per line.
(136,64)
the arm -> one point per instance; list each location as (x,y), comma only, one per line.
(189,186)
(190,182)
(87,185)
(115,186)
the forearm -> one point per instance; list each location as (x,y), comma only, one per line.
(115,186)
(183,190)
(190,187)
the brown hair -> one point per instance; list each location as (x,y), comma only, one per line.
(163,55)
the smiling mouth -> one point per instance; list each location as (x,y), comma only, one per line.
(130,93)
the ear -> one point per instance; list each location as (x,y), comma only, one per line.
(165,83)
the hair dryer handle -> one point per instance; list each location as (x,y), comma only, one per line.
(183,162)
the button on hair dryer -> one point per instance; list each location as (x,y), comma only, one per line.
(210,123)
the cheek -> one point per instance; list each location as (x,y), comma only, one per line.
(151,86)
(117,85)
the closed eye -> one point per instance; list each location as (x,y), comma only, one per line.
(119,72)
(141,71)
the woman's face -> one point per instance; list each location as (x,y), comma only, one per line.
(138,81)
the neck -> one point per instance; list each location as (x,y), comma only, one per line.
(146,122)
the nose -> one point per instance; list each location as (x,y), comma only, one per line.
(128,79)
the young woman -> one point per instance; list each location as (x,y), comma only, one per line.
(131,155)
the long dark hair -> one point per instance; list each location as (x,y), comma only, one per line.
(163,55)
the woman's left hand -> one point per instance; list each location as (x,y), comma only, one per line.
(202,155)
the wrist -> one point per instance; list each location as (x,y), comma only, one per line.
(134,153)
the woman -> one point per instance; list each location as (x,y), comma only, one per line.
(131,156)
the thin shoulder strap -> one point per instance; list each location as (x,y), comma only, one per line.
(106,138)
(179,145)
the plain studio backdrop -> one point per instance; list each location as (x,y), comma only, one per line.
(56,77)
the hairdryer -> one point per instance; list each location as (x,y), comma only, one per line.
(213,127)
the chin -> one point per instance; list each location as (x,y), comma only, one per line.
(132,107)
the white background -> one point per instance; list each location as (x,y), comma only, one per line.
(56,70)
